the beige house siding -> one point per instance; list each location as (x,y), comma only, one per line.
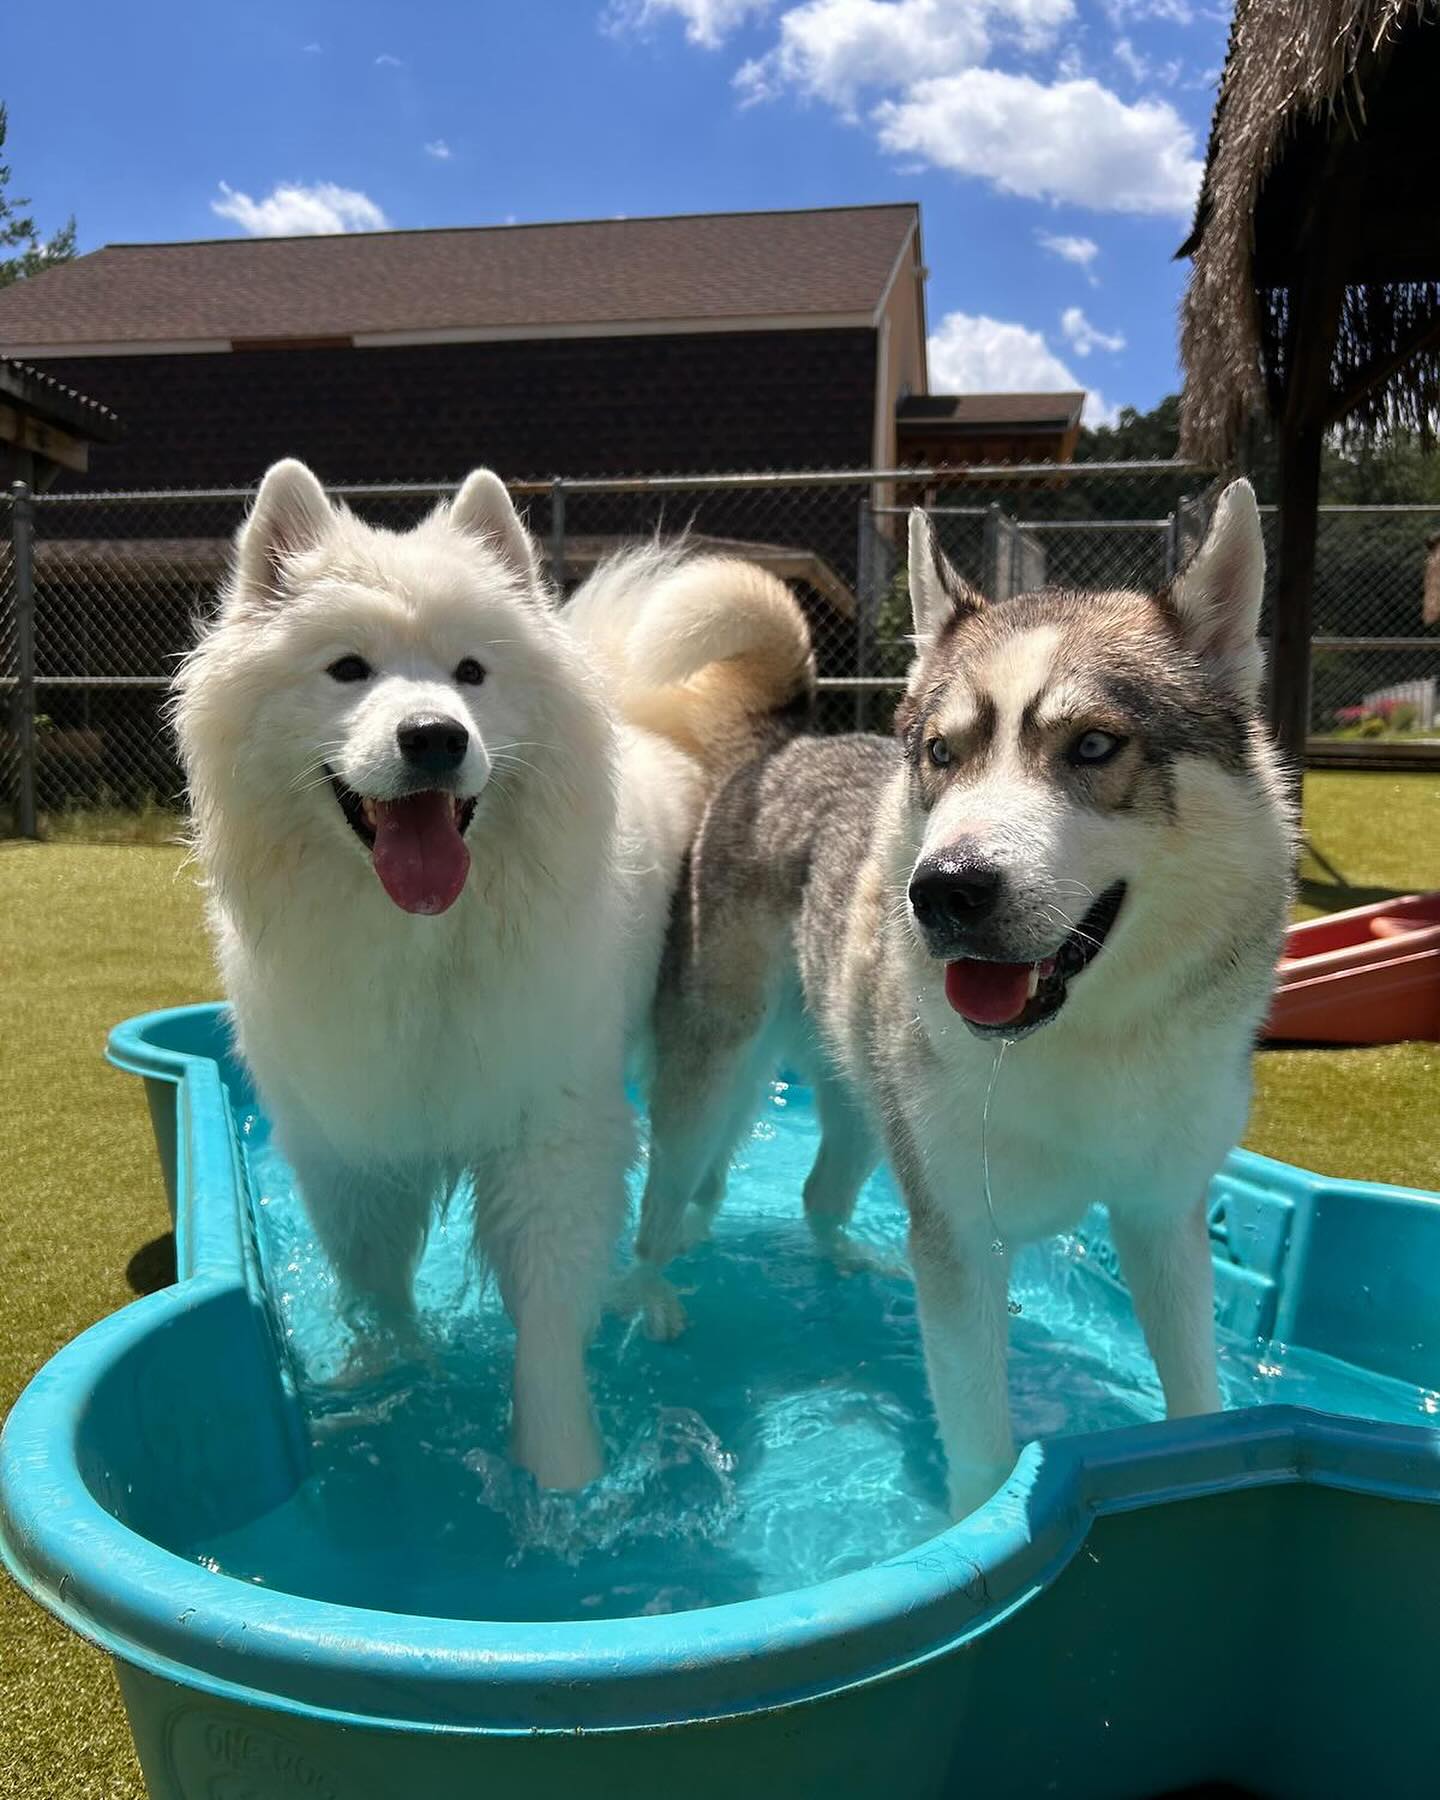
(900,361)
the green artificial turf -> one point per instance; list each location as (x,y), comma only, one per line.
(1372,1112)
(90,934)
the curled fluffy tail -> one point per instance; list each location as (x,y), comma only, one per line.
(708,651)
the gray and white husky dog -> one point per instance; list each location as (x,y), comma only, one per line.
(1077,856)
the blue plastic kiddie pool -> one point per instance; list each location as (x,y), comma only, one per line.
(319,1575)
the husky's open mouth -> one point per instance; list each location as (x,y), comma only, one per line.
(1010,1000)
(416,843)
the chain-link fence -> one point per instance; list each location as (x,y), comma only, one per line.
(100,593)
(1375,654)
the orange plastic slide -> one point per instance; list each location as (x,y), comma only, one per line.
(1367,976)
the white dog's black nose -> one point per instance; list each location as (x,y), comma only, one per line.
(954,892)
(432,744)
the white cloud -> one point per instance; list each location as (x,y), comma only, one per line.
(707,22)
(386,61)
(1140,68)
(972,353)
(1070,64)
(1173,12)
(1081,251)
(832,49)
(919,72)
(291,209)
(439,149)
(1130,59)
(1085,337)
(313,50)
(1072,140)
(1033,22)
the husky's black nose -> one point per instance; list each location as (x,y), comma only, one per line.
(954,891)
(432,744)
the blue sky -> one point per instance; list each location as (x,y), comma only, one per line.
(1054,145)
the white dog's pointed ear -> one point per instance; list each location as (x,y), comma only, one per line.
(485,510)
(291,514)
(936,591)
(1217,596)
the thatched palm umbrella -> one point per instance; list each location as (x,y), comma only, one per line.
(1315,295)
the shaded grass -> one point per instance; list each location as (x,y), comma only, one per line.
(89,935)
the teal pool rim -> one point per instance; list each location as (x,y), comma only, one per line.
(186,1623)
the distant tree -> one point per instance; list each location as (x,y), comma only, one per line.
(19,234)
(1394,470)
(1135,436)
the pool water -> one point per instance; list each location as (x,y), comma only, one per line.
(784,1439)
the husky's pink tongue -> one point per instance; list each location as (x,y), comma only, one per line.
(419,853)
(988,993)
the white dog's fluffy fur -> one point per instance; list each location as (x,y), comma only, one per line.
(397,1050)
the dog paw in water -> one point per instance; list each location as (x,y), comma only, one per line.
(854,1256)
(380,1344)
(646,1296)
(695,1227)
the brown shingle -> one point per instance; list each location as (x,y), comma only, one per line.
(961,410)
(601,273)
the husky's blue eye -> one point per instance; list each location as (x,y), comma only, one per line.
(1093,747)
(939,752)
(469,671)
(350,668)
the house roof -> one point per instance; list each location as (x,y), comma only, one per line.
(990,412)
(42,397)
(707,270)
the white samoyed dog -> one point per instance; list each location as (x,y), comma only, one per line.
(440,822)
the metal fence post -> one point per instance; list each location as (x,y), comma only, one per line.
(1172,546)
(557,534)
(990,570)
(22,542)
(864,603)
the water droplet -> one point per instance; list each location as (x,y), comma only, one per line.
(997,1248)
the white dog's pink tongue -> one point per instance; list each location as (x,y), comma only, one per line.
(419,853)
(988,993)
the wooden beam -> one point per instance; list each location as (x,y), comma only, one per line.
(29,433)
(1292,620)
(1316,300)
(1381,369)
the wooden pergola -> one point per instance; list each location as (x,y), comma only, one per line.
(46,426)
(1314,298)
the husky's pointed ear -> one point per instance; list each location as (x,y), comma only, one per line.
(485,510)
(290,514)
(936,591)
(1217,596)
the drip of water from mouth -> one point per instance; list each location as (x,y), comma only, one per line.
(997,1240)
(997,1245)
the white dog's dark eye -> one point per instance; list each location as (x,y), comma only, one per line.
(939,752)
(1093,747)
(469,671)
(350,668)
